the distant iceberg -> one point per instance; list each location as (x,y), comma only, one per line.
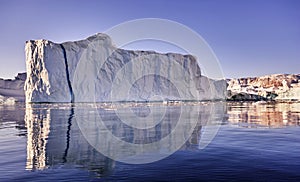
(279,87)
(12,90)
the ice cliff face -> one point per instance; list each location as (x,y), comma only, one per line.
(93,70)
(270,87)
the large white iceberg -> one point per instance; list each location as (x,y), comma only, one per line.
(93,70)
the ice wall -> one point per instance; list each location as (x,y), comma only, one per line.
(93,70)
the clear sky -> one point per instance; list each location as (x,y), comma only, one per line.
(250,37)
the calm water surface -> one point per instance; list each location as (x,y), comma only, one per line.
(253,142)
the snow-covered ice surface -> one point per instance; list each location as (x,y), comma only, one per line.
(93,70)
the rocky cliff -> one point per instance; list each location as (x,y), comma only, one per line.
(93,70)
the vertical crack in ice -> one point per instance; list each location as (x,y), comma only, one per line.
(67,73)
(68,135)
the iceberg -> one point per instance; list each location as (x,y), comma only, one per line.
(7,100)
(94,70)
(12,90)
(278,87)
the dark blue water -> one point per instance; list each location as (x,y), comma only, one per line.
(254,142)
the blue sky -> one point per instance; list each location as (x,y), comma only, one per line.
(249,37)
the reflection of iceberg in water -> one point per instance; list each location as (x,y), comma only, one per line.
(146,133)
(55,140)
(38,128)
(249,114)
